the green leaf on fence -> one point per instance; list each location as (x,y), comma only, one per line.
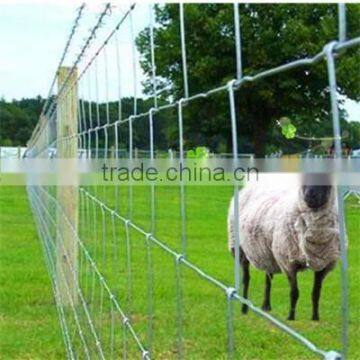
(287,128)
(200,152)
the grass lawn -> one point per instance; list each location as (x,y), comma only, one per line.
(203,317)
(29,324)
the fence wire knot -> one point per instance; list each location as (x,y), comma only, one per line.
(153,110)
(332,355)
(182,102)
(230,292)
(233,84)
(179,258)
(329,48)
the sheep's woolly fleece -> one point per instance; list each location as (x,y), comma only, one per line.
(279,232)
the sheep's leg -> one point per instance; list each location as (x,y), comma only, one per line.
(294,295)
(246,279)
(266,304)
(318,279)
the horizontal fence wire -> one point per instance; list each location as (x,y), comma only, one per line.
(99,312)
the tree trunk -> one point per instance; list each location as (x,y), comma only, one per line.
(259,138)
(228,140)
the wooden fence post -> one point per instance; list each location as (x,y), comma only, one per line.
(67,195)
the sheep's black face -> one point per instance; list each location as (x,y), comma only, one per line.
(316,196)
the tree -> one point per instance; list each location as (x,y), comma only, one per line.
(353,129)
(18,119)
(272,35)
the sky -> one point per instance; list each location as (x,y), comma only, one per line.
(33,35)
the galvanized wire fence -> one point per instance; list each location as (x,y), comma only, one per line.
(116,255)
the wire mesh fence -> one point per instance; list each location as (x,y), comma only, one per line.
(120,263)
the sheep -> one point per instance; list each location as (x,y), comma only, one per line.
(286,228)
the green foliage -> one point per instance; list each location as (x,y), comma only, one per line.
(289,131)
(271,35)
(17,120)
(29,323)
(19,117)
(287,128)
(200,152)
(353,128)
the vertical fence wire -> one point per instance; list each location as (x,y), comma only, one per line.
(150,269)
(340,198)
(230,323)
(183,51)
(179,307)
(237,41)
(152,51)
(96,74)
(236,187)
(134,63)
(342,21)
(182,185)
(150,294)
(119,77)
(119,117)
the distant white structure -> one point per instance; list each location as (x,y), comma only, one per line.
(12,152)
(356,153)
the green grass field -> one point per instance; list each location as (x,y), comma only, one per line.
(29,323)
